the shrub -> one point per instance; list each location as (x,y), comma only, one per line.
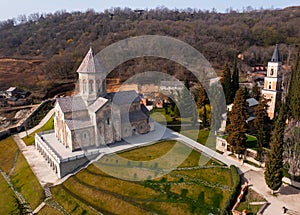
(236,179)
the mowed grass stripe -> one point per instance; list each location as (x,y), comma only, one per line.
(106,200)
(177,198)
(8,151)
(160,198)
(85,202)
(122,187)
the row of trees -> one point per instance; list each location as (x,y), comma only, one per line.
(285,141)
(218,36)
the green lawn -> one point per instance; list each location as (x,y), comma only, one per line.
(48,126)
(6,197)
(159,115)
(188,189)
(25,182)
(47,210)
(23,178)
(250,142)
(8,150)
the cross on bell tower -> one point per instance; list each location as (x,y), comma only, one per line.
(92,75)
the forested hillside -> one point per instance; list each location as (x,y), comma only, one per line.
(63,38)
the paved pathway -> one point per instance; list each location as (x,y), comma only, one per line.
(287,196)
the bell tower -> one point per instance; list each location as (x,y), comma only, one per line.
(92,82)
(272,82)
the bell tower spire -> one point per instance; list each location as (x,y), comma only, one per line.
(92,82)
(272,82)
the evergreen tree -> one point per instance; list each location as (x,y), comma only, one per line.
(235,78)
(202,101)
(255,93)
(218,106)
(186,104)
(293,93)
(260,122)
(236,130)
(274,164)
(202,98)
(204,119)
(261,137)
(260,113)
(226,84)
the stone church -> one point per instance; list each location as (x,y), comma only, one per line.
(91,119)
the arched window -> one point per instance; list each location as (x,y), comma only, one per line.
(84,86)
(272,71)
(270,85)
(107,121)
(97,85)
(91,86)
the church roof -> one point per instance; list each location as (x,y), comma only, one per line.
(134,116)
(276,55)
(90,64)
(123,97)
(78,124)
(252,102)
(99,103)
(70,104)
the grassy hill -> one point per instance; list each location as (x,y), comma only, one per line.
(188,189)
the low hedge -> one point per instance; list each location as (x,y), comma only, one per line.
(236,179)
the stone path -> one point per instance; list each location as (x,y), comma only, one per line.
(287,196)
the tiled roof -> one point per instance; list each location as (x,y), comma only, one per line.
(78,124)
(276,55)
(252,102)
(134,116)
(90,64)
(123,97)
(100,102)
(70,104)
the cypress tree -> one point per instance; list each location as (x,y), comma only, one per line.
(293,93)
(260,113)
(186,103)
(235,78)
(260,121)
(274,165)
(217,102)
(255,92)
(202,97)
(236,130)
(204,119)
(202,101)
(226,84)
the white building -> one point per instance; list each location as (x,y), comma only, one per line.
(272,82)
(90,120)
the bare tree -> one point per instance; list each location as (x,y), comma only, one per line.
(292,148)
